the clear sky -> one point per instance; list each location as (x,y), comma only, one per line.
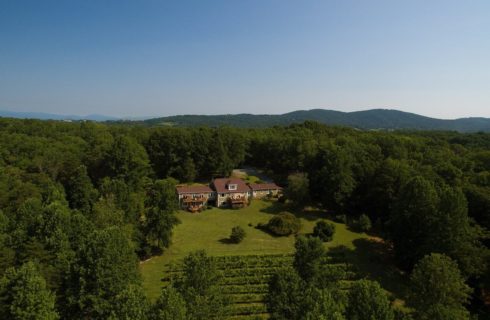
(155,58)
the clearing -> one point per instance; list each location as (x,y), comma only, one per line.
(209,230)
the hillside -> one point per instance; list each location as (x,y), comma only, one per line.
(371,119)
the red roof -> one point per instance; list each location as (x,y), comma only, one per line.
(264,186)
(221,185)
(193,189)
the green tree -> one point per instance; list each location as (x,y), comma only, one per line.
(7,254)
(131,202)
(322,304)
(128,160)
(199,287)
(430,218)
(411,220)
(284,224)
(130,304)
(455,235)
(106,214)
(189,171)
(437,289)
(298,189)
(364,223)
(368,301)
(80,192)
(332,178)
(308,257)
(324,230)
(169,306)
(160,214)
(23,295)
(285,295)
(104,267)
(291,298)
(384,187)
(237,234)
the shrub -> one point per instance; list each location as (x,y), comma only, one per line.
(237,234)
(324,230)
(284,224)
(341,218)
(364,223)
(261,226)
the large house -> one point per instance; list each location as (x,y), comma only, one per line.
(223,192)
(231,192)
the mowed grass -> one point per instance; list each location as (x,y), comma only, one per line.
(209,230)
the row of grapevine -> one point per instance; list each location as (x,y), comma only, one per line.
(245,280)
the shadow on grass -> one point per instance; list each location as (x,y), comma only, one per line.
(274,207)
(312,214)
(372,258)
(272,234)
(307,214)
(226,241)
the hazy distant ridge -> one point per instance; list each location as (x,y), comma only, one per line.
(370,119)
(51,116)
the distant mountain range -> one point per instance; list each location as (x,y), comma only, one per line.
(375,119)
(50,116)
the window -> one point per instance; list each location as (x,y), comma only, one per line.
(232,187)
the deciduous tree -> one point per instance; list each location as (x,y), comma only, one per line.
(160,213)
(199,287)
(23,295)
(438,290)
(298,189)
(308,257)
(368,301)
(169,306)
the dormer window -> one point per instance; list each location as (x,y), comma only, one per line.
(232,187)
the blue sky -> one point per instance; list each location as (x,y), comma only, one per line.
(155,58)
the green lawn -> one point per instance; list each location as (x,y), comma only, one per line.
(208,229)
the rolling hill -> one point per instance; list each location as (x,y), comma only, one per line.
(375,119)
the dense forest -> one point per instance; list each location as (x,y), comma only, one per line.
(81,203)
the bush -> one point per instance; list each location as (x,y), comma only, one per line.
(341,218)
(284,224)
(364,223)
(324,230)
(237,234)
(261,226)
